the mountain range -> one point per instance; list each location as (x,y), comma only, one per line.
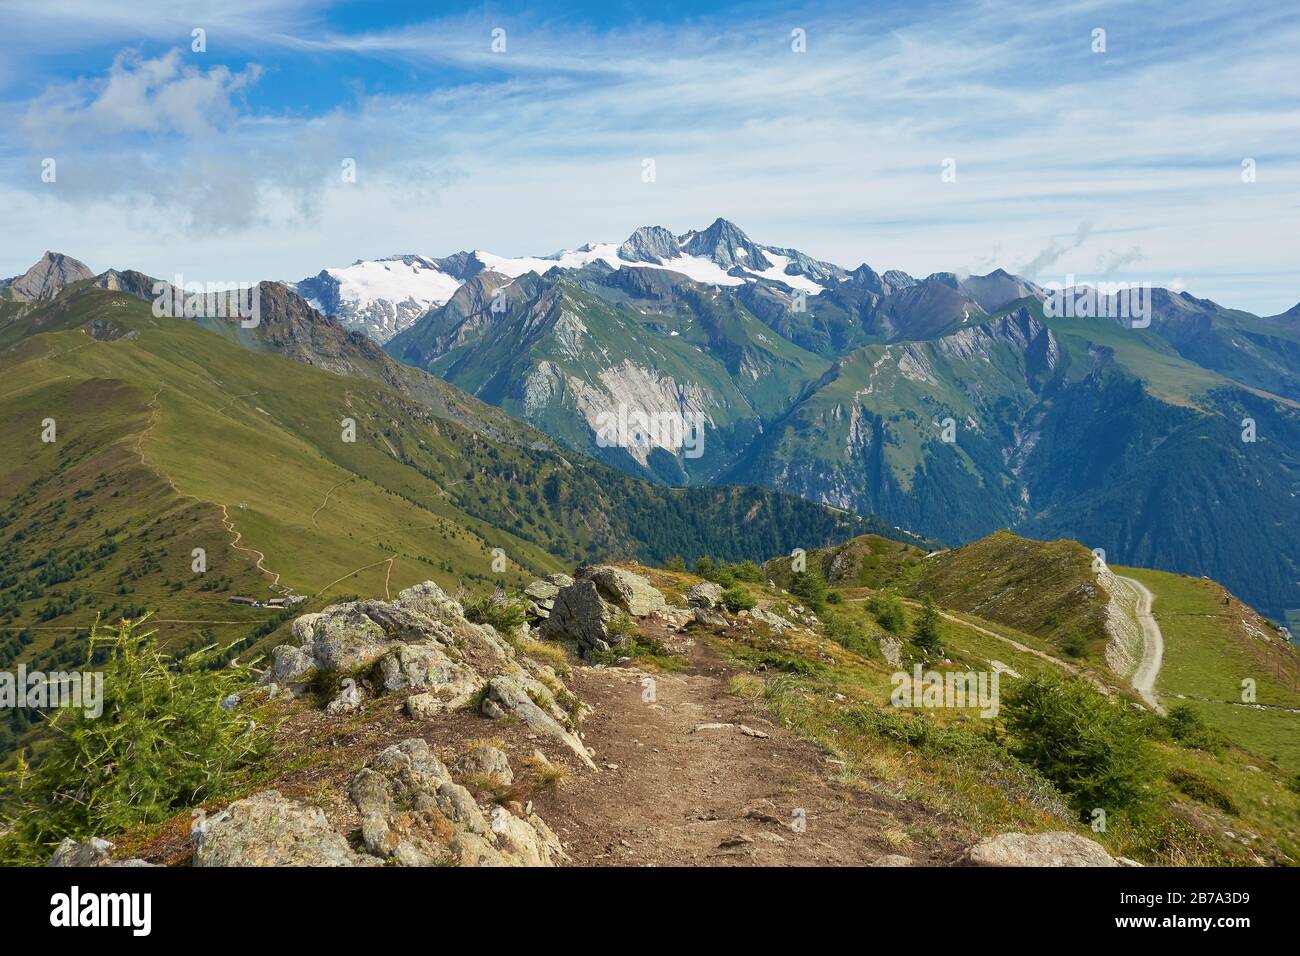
(949,405)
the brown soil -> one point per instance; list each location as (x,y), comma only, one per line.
(676,795)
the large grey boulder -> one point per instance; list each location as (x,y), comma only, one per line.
(706,594)
(424,666)
(267,829)
(1037,849)
(346,639)
(580,617)
(624,589)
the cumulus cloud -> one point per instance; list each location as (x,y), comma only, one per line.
(158,96)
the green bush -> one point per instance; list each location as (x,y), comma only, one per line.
(736,599)
(1076,645)
(503,614)
(162,743)
(888,612)
(749,571)
(1188,728)
(809,587)
(849,634)
(1090,747)
(1198,788)
(675,563)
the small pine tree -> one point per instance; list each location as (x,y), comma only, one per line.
(810,587)
(888,612)
(1089,746)
(926,632)
(162,743)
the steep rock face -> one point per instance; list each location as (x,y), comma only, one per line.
(649,244)
(52,272)
(725,244)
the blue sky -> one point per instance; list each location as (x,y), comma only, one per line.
(226,164)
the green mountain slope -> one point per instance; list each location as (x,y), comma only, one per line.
(1061,428)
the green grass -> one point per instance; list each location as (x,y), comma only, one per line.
(1210,647)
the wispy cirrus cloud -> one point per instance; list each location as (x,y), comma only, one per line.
(837,150)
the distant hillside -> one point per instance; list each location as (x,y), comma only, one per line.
(869,561)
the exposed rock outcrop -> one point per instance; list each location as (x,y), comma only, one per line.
(267,829)
(1038,849)
(422,643)
(624,589)
(94,851)
(533,704)
(706,594)
(580,618)
(414,814)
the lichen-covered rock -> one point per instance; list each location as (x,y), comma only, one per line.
(773,620)
(431,600)
(624,589)
(506,696)
(345,639)
(709,618)
(267,829)
(348,700)
(424,666)
(706,594)
(891,648)
(543,592)
(1038,849)
(414,814)
(95,852)
(290,664)
(487,764)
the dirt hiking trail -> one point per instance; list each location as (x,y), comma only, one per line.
(679,793)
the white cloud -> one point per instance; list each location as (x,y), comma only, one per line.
(836,151)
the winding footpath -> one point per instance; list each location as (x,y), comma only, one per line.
(1153,645)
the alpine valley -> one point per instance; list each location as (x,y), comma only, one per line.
(1172,442)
